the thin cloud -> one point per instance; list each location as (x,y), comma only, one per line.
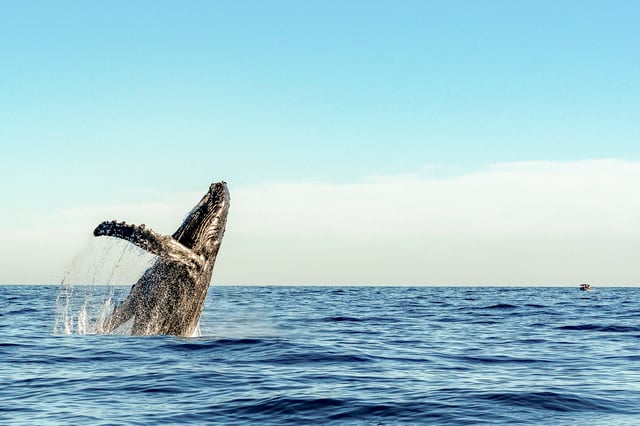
(510,223)
(515,223)
(529,198)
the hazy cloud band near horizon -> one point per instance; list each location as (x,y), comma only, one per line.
(519,223)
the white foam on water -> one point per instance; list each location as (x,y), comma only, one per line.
(99,276)
(196,331)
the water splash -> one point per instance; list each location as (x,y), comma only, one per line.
(98,277)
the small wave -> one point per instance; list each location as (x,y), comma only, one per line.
(173,390)
(286,405)
(204,344)
(555,401)
(11,345)
(601,328)
(501,306)
(342,319)
(532,341)
(444,319)
(498,359)
(376,319)
(318,358)
(630,358)
(320,410)
(482,322)
(25,310)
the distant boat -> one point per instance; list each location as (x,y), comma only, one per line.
(585,287)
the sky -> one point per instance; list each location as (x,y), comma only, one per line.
(364,142)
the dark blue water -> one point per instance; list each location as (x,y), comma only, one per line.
(329,355)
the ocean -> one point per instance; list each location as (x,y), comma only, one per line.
(328,355)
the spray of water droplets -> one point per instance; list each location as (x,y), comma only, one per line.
(96,280)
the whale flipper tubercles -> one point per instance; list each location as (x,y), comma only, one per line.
(151,241)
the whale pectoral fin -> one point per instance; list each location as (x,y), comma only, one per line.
(151,241)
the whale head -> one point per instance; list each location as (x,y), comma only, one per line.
(203,227)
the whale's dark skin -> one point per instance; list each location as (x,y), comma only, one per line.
(169,297)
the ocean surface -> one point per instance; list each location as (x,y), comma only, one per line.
(328,355)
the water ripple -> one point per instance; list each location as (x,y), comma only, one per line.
(348,355)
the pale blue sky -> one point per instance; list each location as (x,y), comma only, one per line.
(104,102)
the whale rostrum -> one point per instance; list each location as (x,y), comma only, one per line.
(169,296)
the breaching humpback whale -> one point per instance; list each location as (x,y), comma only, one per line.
(169,296)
